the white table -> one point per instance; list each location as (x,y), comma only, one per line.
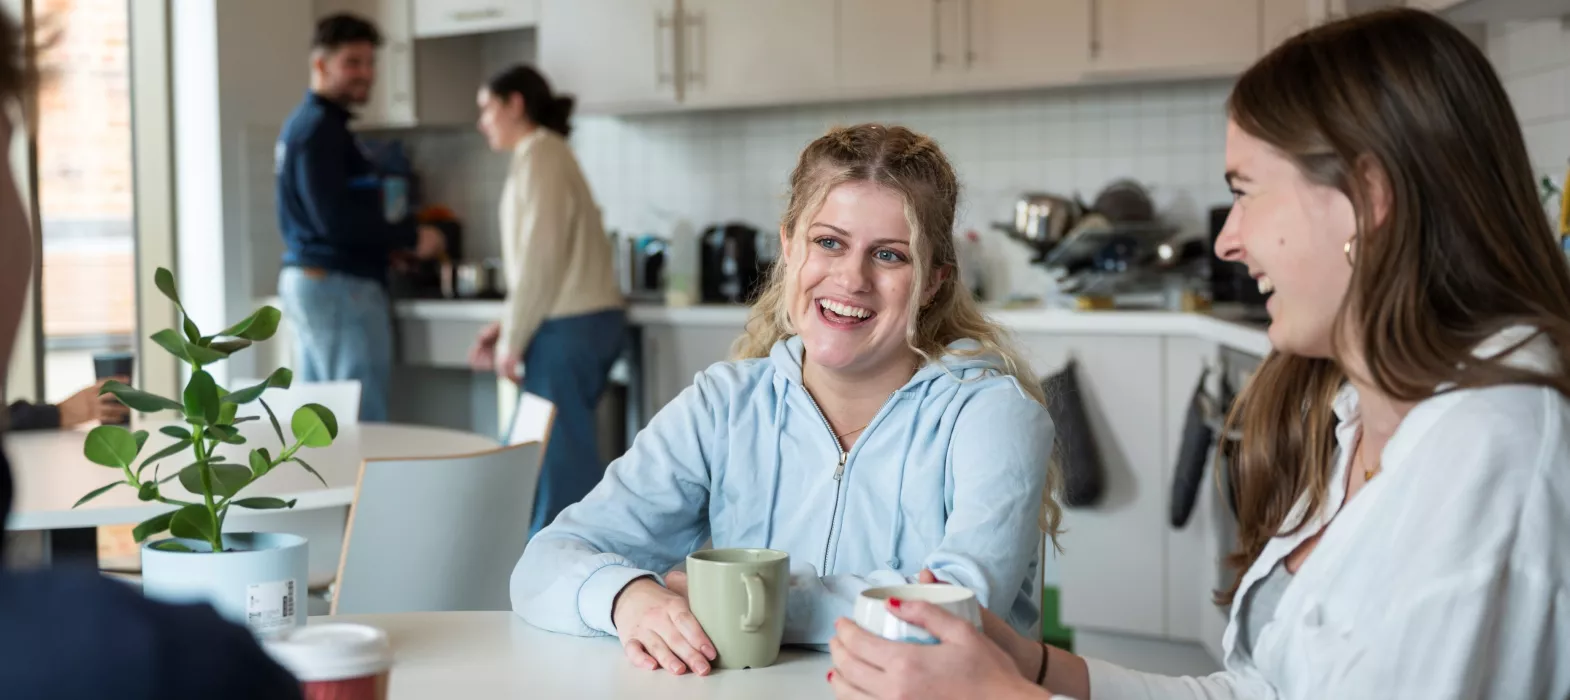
(50,474)
(497,655)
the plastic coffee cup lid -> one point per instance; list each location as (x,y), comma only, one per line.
(333,651)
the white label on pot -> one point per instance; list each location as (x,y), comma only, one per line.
(270,606)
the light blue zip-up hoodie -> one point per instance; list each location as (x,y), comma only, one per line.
(948,476)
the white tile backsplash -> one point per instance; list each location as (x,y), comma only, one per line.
(1533,59)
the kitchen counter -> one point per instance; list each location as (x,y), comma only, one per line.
(1222,326)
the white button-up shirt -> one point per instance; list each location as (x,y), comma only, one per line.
(1445,578)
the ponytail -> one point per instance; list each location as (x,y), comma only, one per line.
(541,105)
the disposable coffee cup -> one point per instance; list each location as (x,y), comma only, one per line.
(336,661)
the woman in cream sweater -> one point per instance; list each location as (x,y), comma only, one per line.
(565,316)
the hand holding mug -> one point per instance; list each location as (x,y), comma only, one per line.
(658,630)
(1026,653)
(963,664)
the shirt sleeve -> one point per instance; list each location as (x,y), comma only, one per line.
(643,518)
(348,212)
(998,461)
(541,225)
(1112,682)
(22,415)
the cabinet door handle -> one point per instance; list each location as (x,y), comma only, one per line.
(1095,29)
(937,35)
(662,23)
(476,15)
(698,57)
(970,33)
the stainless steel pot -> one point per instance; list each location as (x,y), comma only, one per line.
(1044,219)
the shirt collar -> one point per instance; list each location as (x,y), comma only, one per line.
(329,106)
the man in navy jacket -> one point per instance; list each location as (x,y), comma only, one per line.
(337,234)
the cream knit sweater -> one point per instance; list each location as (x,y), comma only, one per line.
(557,256)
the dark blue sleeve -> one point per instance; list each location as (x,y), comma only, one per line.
(22,415)
(72,635)
(349,213)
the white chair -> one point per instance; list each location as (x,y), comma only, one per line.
(340,397)
(437,534)
(532,420)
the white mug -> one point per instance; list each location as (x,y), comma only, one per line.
(873,615)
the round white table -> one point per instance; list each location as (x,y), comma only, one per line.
(497,655)
(51,473)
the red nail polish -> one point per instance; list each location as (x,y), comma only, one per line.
(895,603)
(831,677)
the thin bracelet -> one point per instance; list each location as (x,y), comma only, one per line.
(1041,674)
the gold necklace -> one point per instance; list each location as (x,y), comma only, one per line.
(1369,472)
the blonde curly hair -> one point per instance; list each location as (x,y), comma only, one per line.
(911,165)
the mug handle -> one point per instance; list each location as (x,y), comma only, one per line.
(753,620)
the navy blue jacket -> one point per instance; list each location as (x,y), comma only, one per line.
(330,197)
(75,635)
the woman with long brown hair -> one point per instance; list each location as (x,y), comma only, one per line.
(1404,469)
(874,424)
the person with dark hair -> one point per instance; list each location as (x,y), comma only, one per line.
(77,634)
(338,239)
(565,317)
(1401,480)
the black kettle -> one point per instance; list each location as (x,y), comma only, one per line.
(730,271)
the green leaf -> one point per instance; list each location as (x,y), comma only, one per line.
(141,440)
(148,491)
(260,463)
(311,469)
(171,341)
(201,397)
(263,503)
(193,522)
(152,526)
(139,400)
(227,412)
(229,347)
(258,326)
(95,493)
(246,419)
(171,546)
(110,446)
(314,425)
(280,379)
(203,356)
(164,279)
(176,432)
(192,333)
(270,416)
(227,479)
(226,434)
(171,450)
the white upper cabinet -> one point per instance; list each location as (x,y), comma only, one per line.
(1022,43)
(756,51)
(613,55)
(892,46)
(449,17)
(1164,37)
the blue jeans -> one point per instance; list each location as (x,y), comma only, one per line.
(343,330)
(568,363)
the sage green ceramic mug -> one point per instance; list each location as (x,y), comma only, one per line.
(738,595)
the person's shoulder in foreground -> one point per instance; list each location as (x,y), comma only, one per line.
(77,635)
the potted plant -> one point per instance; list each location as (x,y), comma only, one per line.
(256,579)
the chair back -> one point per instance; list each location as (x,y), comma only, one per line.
(437,534)
(340,397)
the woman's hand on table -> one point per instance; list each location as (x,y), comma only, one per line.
(482,356)
(658,630)
(964,664)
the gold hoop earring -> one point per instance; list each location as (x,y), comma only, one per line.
(1347,249)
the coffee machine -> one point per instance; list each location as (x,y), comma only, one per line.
(730,271)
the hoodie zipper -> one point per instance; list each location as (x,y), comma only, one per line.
(839,474)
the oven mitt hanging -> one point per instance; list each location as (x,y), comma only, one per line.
(1083,479)
(1198,441)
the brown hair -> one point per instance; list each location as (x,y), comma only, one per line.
(913,166)
(1463,251)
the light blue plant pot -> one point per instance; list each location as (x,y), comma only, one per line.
(259,582)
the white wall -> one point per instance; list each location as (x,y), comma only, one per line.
(240,67)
